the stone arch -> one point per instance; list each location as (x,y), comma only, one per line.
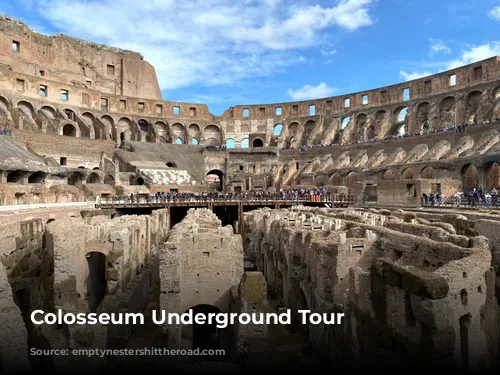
(26,108)
(248,183)
(4,102)
(218,182)
(93,178)
(268,181)
(345,122)
(96,283)
(408,174)
(257,142)
(361,119)
(194,130)
(15,177)
(470,177)
(124,129)
(321,180)
(36,178)
(70,114)
(492,175)
(244,143)
(472,102)
(423,121)
(369,133)
(109,125)
(69,130)
(336,180)
(277,130)
(230,143)
(178,132)
(447,112)
(109,180)
(351,179)
(49,111)
(194,141)
(495,93)
(171,164)
(204,336)
(5,106)
(76,179)
(161,130)
(308,130)
(143,125)
(292,129)
(389,175)
(139,181)
(427,173)
(212,135)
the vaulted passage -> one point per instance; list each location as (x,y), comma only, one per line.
(96,281)
(206,336)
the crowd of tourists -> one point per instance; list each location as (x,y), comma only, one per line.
(313,195)
(4,131)
(473,197)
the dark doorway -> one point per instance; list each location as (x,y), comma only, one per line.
(69,131)
(228,215)
(206,336)
(258,143)
(96,281)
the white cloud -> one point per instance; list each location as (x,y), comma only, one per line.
(468,56)
(328,52)
(207,41)
(411,76)
(437,45)
(475,53)
(311,92)
(495,13)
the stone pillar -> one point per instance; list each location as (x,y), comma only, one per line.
(252,293)
(170,297)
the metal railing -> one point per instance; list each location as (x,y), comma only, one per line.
(493,202)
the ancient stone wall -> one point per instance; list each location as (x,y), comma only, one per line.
(411,293)
(87,262)
(199,265)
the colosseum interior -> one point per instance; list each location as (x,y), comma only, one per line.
(114,200)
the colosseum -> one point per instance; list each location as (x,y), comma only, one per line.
(380,205)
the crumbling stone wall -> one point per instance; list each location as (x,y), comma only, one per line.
(412,294)
(48,266)
(199,264)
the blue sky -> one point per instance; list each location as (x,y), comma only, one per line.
(228,52)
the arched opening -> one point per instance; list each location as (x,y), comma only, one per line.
(427,173)
(109,180)
(93,178)
(76,179)
(248,183)
(258,143)
(493,176)
(69,130)
(269,181)
(277,130)
(194,141)
(171,164)
(139,181)
(143,125)
(470,177)
(345,122)
(36,178)
(96,279)
(204,336)
(244,143)
(229,143)
(178,141)
(15,177)
(70,114)
(215,180)
(408,174)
